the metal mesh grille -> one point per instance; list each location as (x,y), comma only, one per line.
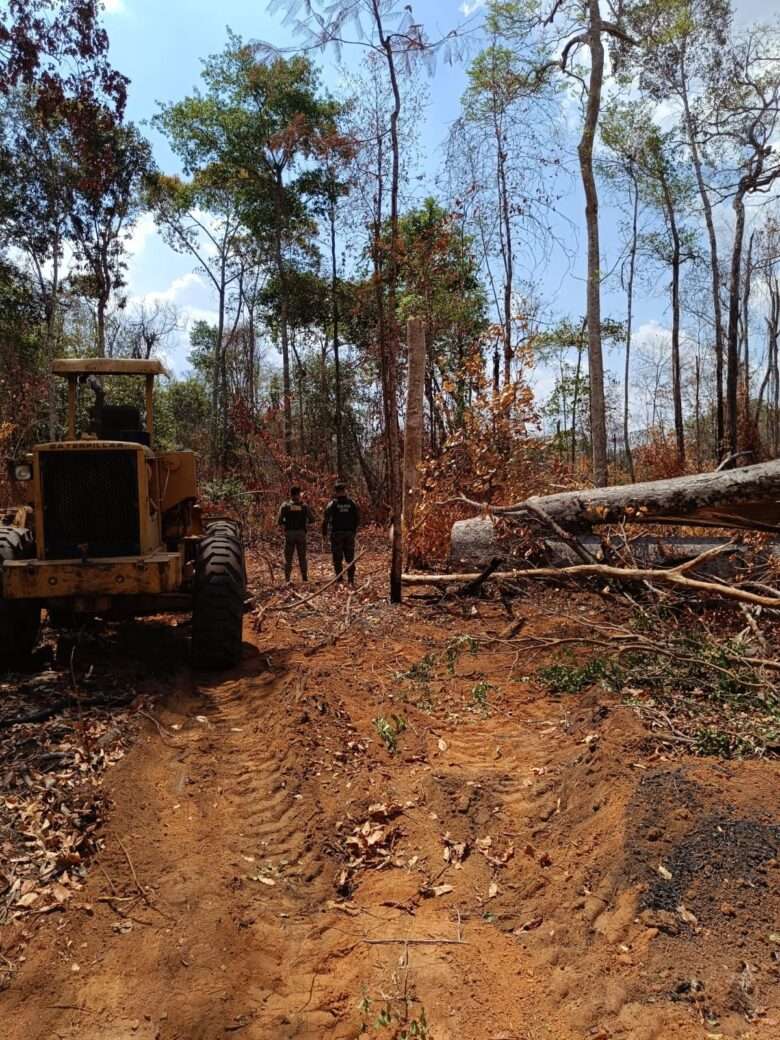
(90,497)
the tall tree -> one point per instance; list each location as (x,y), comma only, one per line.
(679,61)
(108,163)
(200,219)
(250,130)
(439,283)
(745,114)
(59,50)
(34,209)
(570,27)
(668,188)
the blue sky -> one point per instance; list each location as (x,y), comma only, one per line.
(159,45)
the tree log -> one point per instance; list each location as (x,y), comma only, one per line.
(744,498)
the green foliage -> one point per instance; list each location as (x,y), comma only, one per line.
(182,411)
(479,694)
(397,1019)
(228,489)
(389,730)
(708,689)
(421,671)
(573,678)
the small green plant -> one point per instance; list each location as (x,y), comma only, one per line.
(480,694)
(417,1027)
(455,647)
(389,729)
(421,671)
(573,678)
(403,1027)
(225,489)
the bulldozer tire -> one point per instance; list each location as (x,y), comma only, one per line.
(20,620)
(218,602)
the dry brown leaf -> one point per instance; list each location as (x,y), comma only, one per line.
(442,890)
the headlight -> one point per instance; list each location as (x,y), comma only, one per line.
(23,471)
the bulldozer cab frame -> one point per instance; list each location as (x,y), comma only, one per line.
(77,370)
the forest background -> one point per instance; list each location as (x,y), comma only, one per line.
(577,197)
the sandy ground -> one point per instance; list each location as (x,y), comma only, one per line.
(501,865)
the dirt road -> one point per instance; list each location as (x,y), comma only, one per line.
(388,830)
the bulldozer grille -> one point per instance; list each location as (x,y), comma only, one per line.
(90,498)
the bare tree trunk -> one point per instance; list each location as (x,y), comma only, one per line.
(629,322)
(712,237)
(506,249)
(598,424)
(283,317)
(575,401)
(334,289)
(413,430)
(741,498)
(697,408)
(732,344)
(217,427)
(100,324)
(389,340)
(679,428)
(745,319)
(52,315)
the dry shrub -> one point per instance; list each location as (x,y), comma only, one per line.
(658,459)
(494,458)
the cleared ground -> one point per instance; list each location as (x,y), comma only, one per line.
(381,825)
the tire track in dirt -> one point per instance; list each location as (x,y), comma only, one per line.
(224,825)
(239,828)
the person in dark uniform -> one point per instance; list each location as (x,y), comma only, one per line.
(294,519)
(342,518)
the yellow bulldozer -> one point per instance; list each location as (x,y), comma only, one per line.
(108,527)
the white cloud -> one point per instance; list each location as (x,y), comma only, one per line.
(186,285)
(190,294)
(144,229)
(468,8)
(115,6)
(652,335)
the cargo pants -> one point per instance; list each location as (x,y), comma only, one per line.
(295,541)
(342,546)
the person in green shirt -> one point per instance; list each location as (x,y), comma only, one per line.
(295,516)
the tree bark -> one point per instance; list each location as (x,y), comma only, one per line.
(574,403)
(283,318)
(679,427)
(389,340)
(598,423)
(339,423)
(629,321)
(712,237)
(413,430)
(748,497)
(646,550)
(732,344)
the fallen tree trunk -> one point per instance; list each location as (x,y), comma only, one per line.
(752,491)
(745,498)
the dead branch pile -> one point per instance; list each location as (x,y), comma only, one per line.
(678,576)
